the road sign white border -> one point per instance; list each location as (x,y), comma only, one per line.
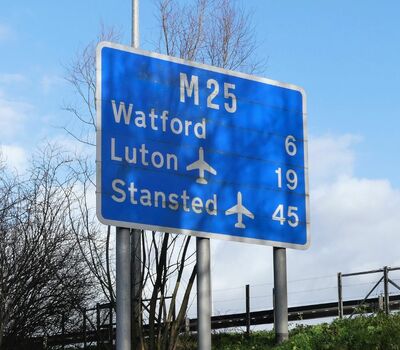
(220,236)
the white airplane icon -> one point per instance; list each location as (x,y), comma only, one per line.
(240,210)
(202,166)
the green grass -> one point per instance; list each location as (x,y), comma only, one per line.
(378,332)
(239,341)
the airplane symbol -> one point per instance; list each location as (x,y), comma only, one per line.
(202,166)
(240,210)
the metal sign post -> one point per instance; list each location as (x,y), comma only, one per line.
(203,294)
(127,254)
(280,296)
(136,286)
(136,242)
(123,277)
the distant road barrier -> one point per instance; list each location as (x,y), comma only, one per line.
(298,313)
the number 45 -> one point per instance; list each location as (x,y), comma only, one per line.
(292,217)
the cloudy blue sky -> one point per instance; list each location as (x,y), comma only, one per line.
(344,53)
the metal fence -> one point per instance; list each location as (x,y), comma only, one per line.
(98,329)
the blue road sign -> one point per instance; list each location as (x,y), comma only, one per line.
(189,148)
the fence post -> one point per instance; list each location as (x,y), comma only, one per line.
(84,329)
(98,325)
(44,345)
(380,302)
(187,325)
(273,303)
(340,296)
(248,320)
(110,326)
(63,330)
(386,289)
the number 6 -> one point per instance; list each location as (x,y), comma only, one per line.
(290,146)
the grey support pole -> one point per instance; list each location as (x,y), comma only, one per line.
(135,24)
(340,295)
(123,272)
(386,289)
(136,287)
(203,294)
(281,303)
(248,319)
(123,251)
(136,235)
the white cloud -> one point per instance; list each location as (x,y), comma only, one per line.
(15,157)
(11,78)
(331,157)
(233,266)
(69,144)
(49,82)
(13,115)
(353,227)
(354,222)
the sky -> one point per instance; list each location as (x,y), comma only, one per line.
(345,55)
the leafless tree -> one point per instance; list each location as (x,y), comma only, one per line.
(93,240)
(216,32)
(81,74)
(167,256)
(42,274)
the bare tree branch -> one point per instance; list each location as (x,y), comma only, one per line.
(42,274)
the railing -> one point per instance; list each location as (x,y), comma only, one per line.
(385,279)
(298,313)
(98,326)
